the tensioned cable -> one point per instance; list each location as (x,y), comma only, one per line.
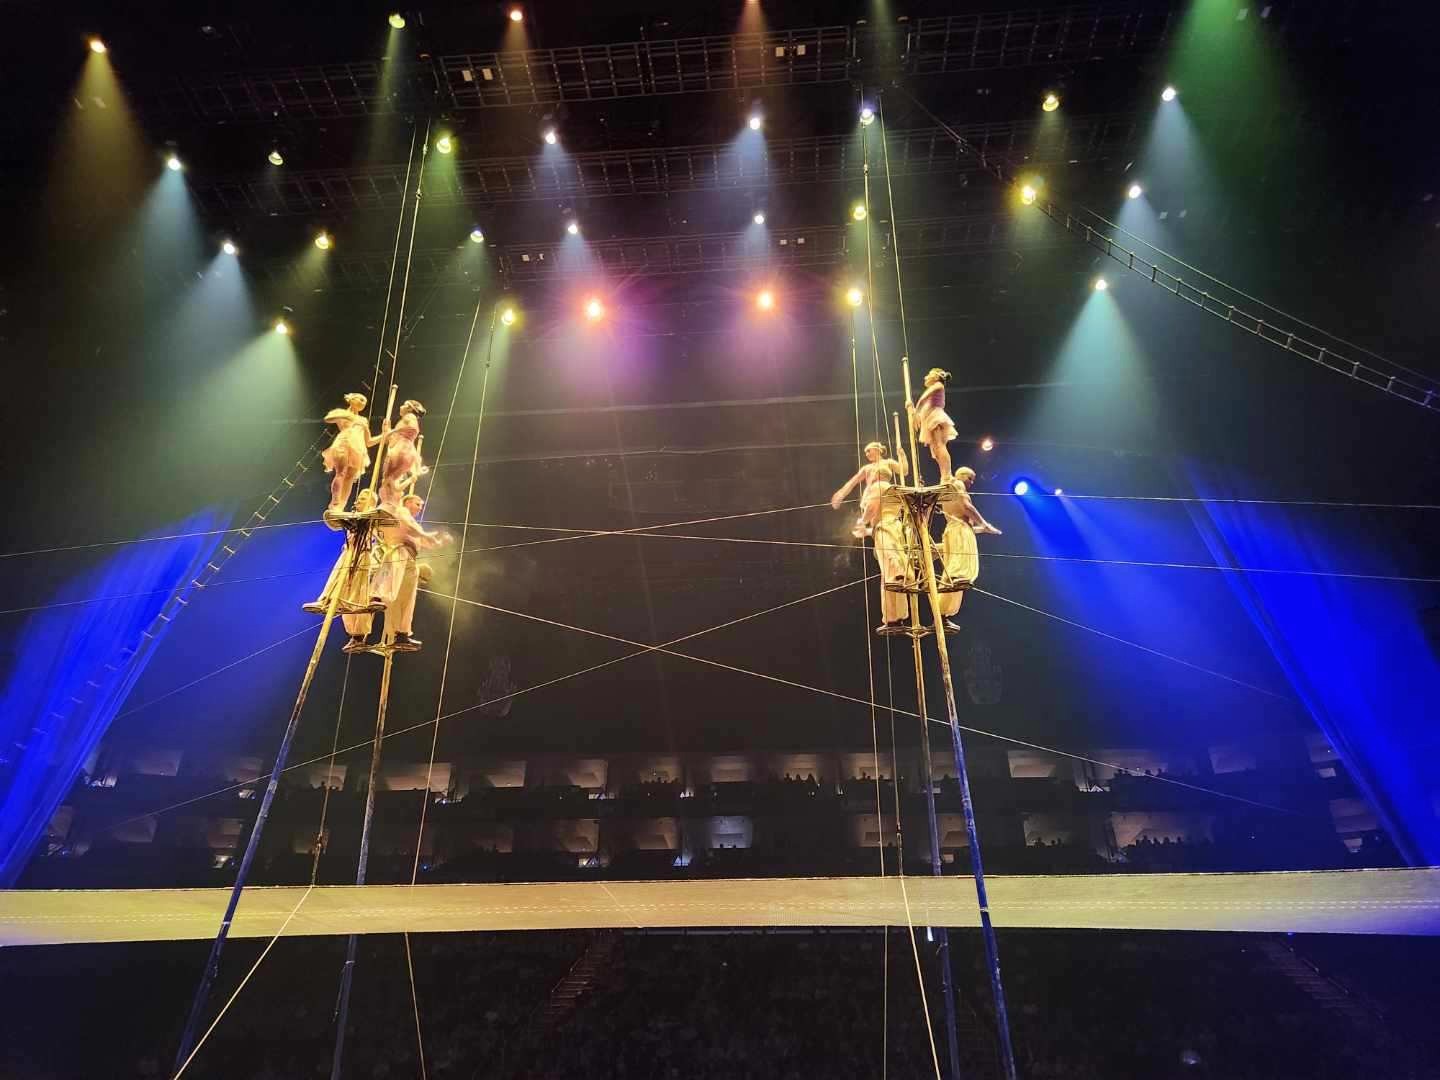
(874,730)
(320,839)
(579,534)
(894,230)
(450,628)
(241,784)
(861,701)
(253,968)
(394,262)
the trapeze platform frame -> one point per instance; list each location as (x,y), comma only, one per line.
(1405,901)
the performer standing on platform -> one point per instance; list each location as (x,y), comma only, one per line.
(932,423)
(892,554)
(959,553)
(349,453)
(874,476)
(398,578)
(351,575)
(402,457)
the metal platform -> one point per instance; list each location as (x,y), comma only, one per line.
(1337,902)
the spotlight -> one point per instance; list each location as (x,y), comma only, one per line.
(755,121)
(853,296)
(1021,487)
(759,217)
(477,236)
(173,163)
(282,327)
(516,15)
(1134,191)
(444,144)
(573,228)
(987,444)
(229,248)
(1059,491)
(508,316)
(98,46)
(1051,102)
(323,241)
(1168,94)
(765,300)
(594,309)
(1028,194)
(857,212)
(275,157)
(397,20)
(1101,284)
(867,116)
(551,136)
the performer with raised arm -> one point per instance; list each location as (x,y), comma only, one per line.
(351,575)
(402,456)
(959,553)
(932,423)
(349,453)
(874,477)
(395,583)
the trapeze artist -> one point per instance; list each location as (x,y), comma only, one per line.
(349,453)
(402,465)
(959,554)
(397,580)
(874,477)
(932,423)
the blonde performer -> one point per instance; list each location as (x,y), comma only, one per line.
(402,456)
(932,423)
(959,553)
(874,477)
(349,453)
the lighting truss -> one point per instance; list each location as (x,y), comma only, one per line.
(826,246)
(660,170)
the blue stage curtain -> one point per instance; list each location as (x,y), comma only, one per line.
(75,652)
(1354,651)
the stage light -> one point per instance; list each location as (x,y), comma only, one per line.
(759,217)
(1059,491)
(987,444)
(229,248)
(765,300)
(1051,102)
(1101,284)
(275,157)
(594,309)
(516,15)
(323,241)
(173,163)
(477,236)
(1021,487)
(282,327)
(573,228)
(1168,94)
(98,46)
(1134,191)
(853,296)
(867,116)
(857,212)
(1028,194)
(444,144)
(508,316)
(551,136)
(397,20)
(755,121)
